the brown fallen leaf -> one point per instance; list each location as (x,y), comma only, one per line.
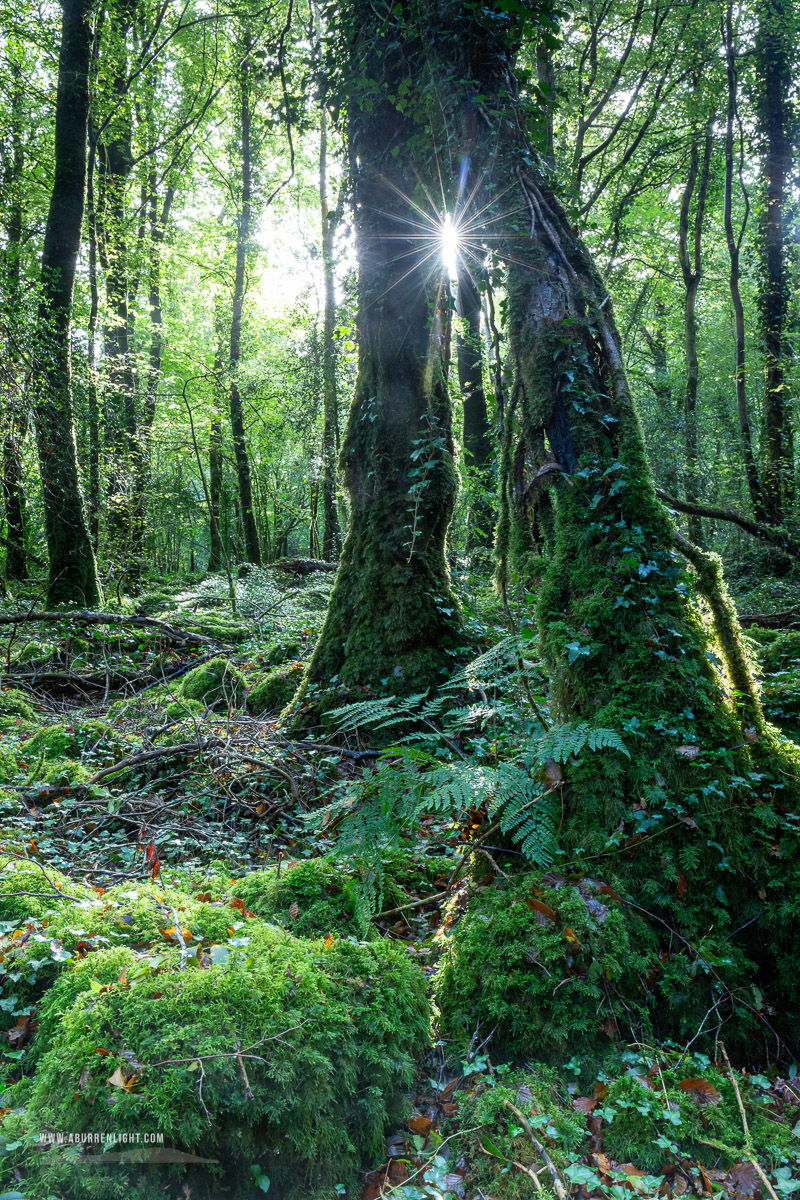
(701,1091)
(421,1125)
(690,753)
(544,913)
(118,1079)
(743,1180)
(294,911)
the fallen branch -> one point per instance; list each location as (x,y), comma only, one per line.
(392,912)
(558,1186)
(774,534)
(146,756)
(84,617)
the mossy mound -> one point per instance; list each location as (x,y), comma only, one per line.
(178,709)
(311,898)
(326,1032)
(275,690)
(538,962)
(35,654)
(59,772)
(565,967)
(214,683)
(94,742)
(287,650)
(14,705)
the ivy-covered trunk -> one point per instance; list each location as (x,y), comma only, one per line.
(73,573)
(392,621)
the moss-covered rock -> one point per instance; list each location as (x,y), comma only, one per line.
(214,683)
(327,1033)
(275,690)
(310,898)
(285,650)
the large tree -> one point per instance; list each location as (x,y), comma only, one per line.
(73,573)
(392,621)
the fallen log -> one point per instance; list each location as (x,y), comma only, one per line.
(303,566)
(788,619)
(84,617)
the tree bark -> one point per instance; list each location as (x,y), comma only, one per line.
(331,533)
(477,429)
(392,621)
(73,573)
(243,233)
(774,65)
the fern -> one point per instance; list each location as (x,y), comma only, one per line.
(563,742)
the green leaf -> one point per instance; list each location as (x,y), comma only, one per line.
(488,1145)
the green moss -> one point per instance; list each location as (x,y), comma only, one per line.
(35,654)
(284,651)
(214,683)
(14,703)
(8,765)
(275,690)
(60,772)
(184,708)
(540,966)
(96,740)
(331,1033)
(322,892)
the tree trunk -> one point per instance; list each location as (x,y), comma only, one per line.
(115,160)
(16,422)
(94,310)
(692,270)
(73,573)
(331,533)
(774,65)
(392,620)
(251,546)
(734,245)
(143,445)
(477,429)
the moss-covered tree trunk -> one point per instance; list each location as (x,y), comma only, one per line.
(73,573)
(392,620)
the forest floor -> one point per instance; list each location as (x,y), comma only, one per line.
(150,783)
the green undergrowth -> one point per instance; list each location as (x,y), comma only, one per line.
(274,691)
(647,1111)
(328,1028)
(778,651)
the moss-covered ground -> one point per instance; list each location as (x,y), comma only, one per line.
(212,934)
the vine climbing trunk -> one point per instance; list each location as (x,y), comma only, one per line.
(392,620)
(73,573)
